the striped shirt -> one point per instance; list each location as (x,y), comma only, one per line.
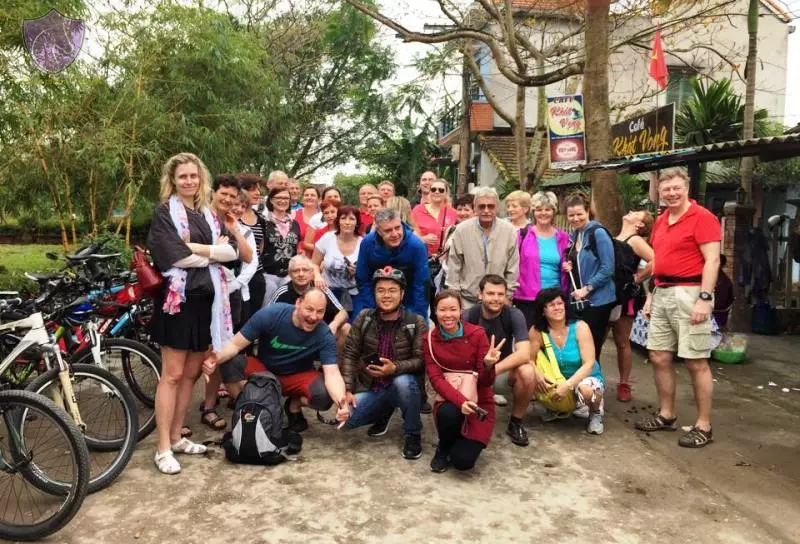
(287,293)
(258,229)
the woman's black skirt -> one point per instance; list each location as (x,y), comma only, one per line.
(189,329)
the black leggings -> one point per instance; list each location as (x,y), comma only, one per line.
(258,288)
(463,452)
(597,319)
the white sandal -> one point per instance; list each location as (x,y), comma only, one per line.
(184,445)
(166,462)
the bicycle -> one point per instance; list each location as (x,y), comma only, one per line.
(93,397)
(44,466)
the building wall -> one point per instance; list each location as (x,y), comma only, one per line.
(488,176)
(631,89)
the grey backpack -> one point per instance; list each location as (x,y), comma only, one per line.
(257,436)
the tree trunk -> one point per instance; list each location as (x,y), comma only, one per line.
(605,193)
(93,202)
(70,209)
(748,163)
(519,138)
(464,136)
(539,156)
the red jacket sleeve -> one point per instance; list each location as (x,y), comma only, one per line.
(486,376)
(436,375)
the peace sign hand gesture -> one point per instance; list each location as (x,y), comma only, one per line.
(493,355)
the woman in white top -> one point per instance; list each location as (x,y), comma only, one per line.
(336,253)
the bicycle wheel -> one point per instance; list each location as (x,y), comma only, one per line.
(108,411)
(139,367)
(47,448)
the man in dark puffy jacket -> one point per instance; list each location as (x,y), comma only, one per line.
(394,244)
(381,363)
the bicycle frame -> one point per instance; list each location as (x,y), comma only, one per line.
(38,336)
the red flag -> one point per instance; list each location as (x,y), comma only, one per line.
(658,64)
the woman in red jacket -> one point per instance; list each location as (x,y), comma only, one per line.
(464,426)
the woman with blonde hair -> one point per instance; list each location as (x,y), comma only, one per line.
(192,312)
(402,206)
(542,247)
(518,208)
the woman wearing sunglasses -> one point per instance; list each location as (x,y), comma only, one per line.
(434,217)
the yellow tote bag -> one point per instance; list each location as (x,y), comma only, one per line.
(547,365)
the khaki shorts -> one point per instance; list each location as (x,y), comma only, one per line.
(670,323)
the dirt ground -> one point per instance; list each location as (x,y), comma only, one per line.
(567,486)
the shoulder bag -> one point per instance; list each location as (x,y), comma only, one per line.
(547,365)
(464,381)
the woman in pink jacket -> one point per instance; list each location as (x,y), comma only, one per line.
(542,247)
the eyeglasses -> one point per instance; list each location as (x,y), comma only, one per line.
(280,198)
(438,190)
(390,291)
(486,206)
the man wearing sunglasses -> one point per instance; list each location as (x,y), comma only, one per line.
(480,246)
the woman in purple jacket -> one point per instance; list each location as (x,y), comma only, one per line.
(542,247)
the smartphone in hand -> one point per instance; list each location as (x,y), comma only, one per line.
(372,359)
(482,414)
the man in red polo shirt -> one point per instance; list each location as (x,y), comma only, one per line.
(686,242)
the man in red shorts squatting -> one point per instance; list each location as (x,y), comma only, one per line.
(686,241)
(290,339)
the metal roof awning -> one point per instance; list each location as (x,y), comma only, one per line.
(767,149)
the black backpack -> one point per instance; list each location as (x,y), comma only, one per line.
(626,263)
(257,436)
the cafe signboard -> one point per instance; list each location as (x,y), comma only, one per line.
(648,133)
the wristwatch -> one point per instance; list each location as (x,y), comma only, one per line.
(706,296)
(589,288)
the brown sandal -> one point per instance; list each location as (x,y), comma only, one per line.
(210,418)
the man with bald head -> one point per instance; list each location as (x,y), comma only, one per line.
(290,338)
(424,189)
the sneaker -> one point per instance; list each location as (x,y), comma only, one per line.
(380,427)
(500,400)
(517,432)
(582,412)
(412,449)
(296,421)
(439,463)
(595,423)
(426,408)
(624,392)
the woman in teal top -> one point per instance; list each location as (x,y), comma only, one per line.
(573,347)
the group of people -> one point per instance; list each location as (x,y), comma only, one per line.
(359,308)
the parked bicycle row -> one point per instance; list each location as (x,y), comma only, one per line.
(78,382)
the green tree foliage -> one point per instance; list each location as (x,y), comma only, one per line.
(713,113)
(402,155)
(296,91)
(349,184)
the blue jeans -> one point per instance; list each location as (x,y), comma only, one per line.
(403,393)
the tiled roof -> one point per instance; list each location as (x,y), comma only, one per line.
(503,154)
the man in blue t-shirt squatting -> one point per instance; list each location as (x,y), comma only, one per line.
(290,339)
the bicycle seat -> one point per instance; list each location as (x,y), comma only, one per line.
(93,257)
(44,278)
